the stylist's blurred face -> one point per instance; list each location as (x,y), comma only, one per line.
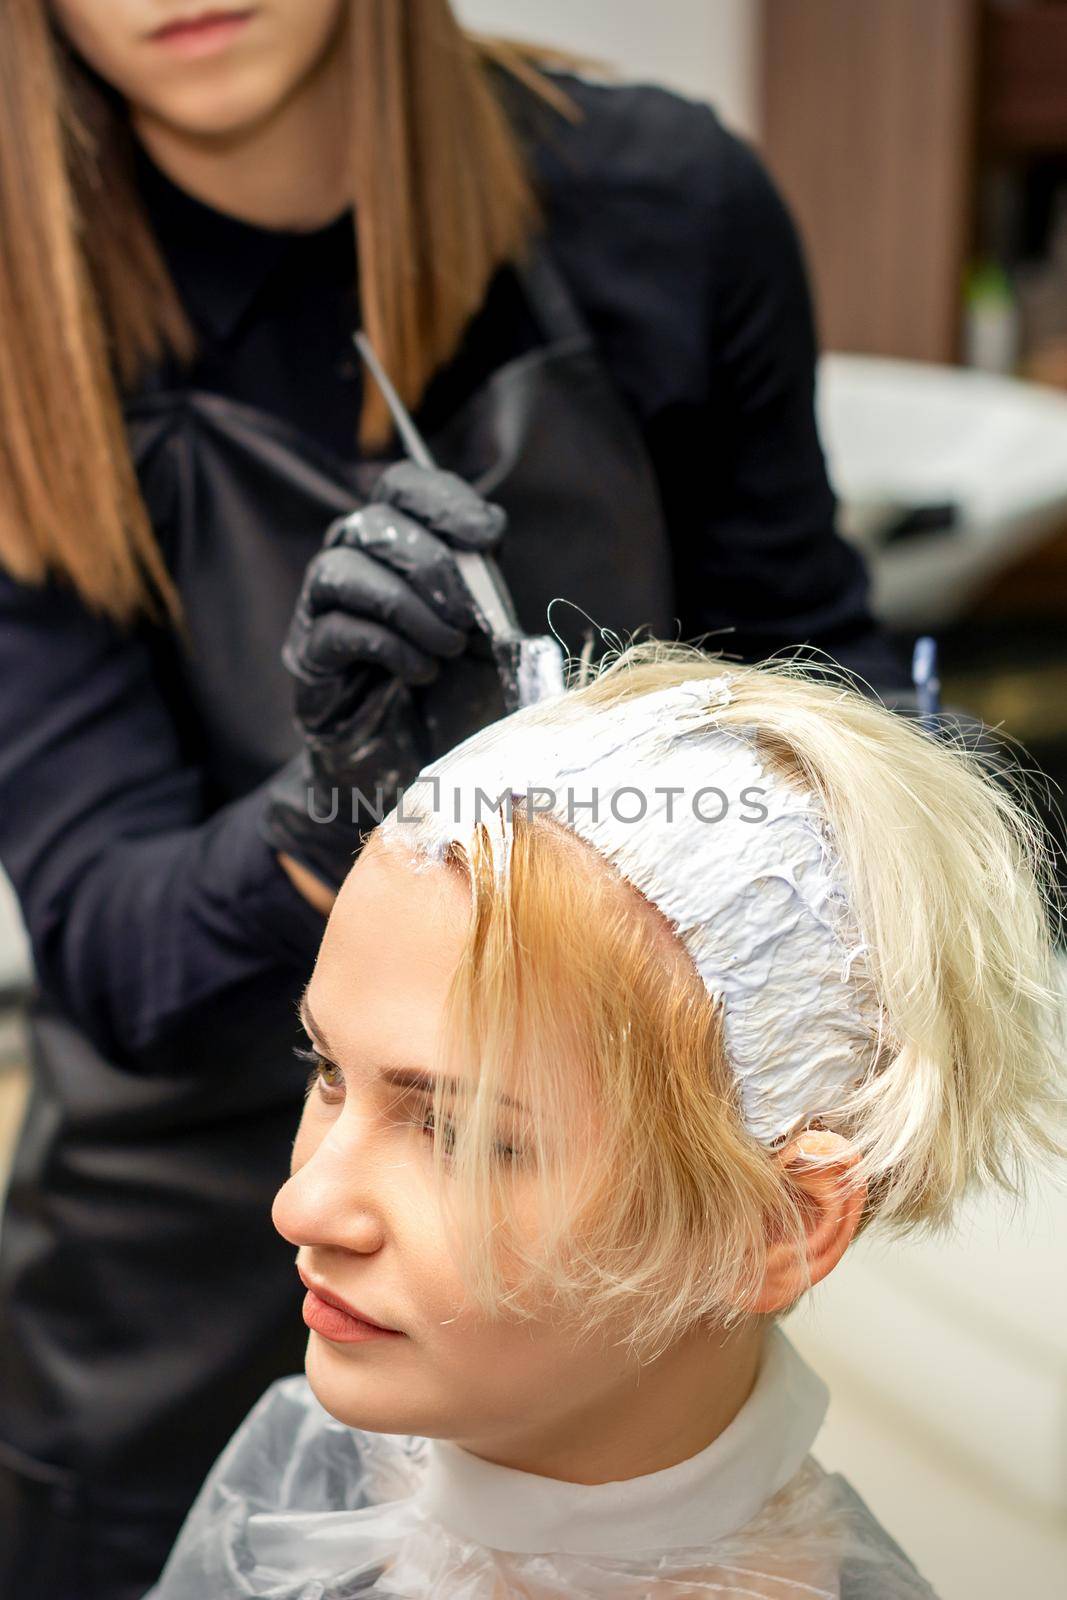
(204,67)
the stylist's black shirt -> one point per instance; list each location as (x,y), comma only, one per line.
(146,902)
(686,266)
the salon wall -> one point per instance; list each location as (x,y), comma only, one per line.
(705,48)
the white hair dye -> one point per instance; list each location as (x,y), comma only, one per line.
(740,863)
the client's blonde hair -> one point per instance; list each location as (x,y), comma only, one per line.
(651,1204)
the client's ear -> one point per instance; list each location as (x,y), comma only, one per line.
(831,1204)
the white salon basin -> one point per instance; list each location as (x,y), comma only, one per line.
(905,434)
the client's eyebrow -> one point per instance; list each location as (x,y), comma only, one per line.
(400,1077)
(311,1027)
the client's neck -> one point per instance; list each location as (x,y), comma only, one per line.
(663,1412)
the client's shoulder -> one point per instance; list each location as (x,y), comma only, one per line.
(873,1565)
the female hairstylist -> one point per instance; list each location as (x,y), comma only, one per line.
(594,300)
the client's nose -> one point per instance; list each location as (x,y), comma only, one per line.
(326,1202)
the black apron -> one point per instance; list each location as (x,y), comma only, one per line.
(145,1299)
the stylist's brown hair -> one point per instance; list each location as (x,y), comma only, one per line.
(442,200)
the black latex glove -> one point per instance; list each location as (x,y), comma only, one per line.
(381,606)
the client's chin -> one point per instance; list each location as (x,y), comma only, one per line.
(363,1386)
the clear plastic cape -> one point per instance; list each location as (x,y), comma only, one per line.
(300,1507)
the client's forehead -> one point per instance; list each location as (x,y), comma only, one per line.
(419,909)
(574,856)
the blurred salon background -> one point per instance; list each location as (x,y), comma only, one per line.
(922,146)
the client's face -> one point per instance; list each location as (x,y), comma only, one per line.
(361,1206)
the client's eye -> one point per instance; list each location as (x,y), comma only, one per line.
(325,1075)
(502,1150)
(448,1130)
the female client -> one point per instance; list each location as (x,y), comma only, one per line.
(635,1011)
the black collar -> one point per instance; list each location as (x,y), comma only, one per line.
(220,263)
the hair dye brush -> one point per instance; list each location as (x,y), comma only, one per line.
(530,665)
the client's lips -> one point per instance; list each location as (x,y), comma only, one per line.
(328,1298)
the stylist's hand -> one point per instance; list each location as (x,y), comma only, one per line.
(381,606)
